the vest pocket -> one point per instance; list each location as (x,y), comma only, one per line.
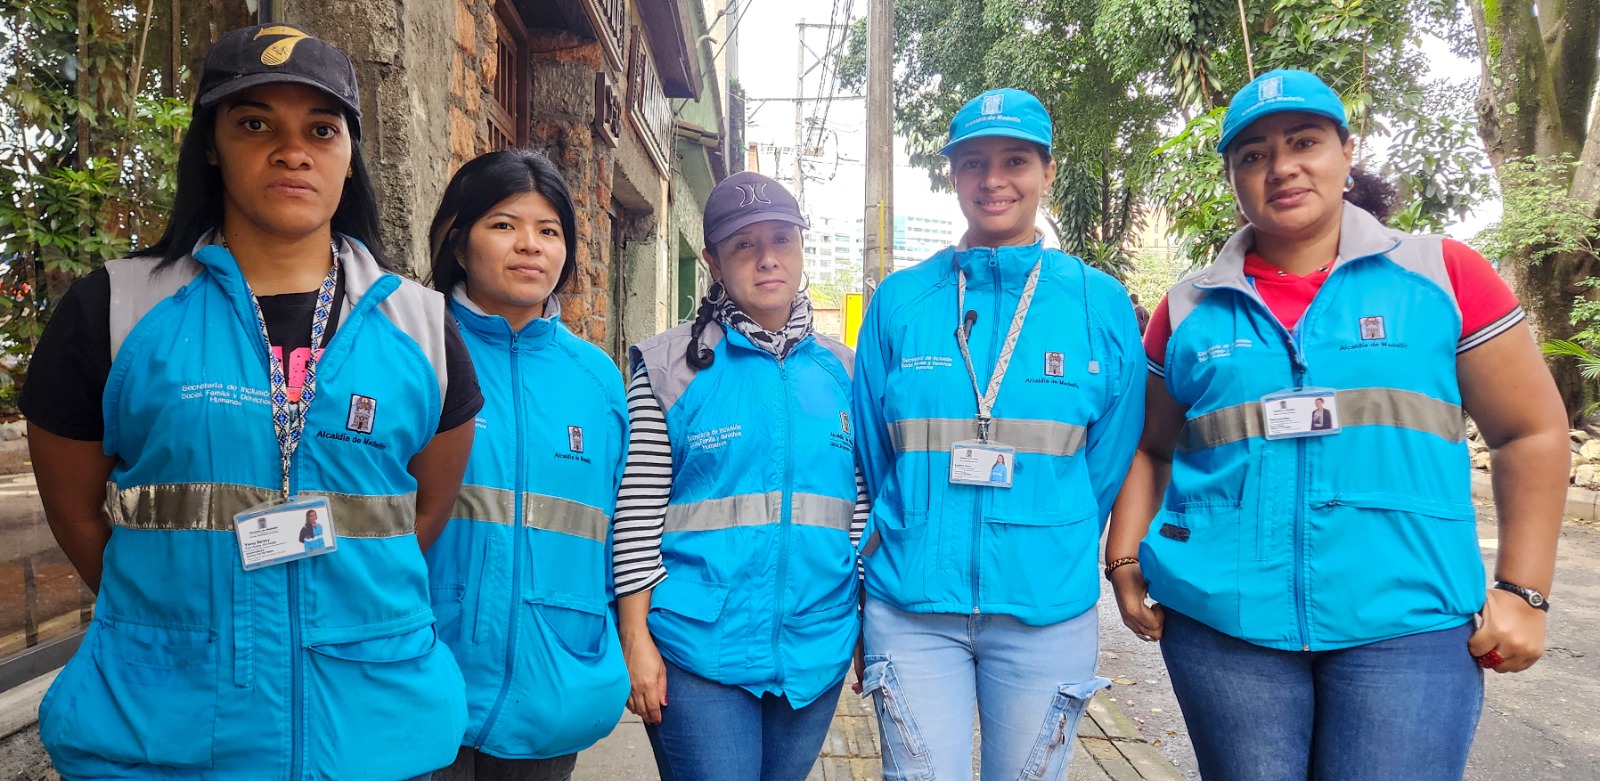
(1191,560)
(1038,559)
(683,616)
(148,698)
(447,604)
(579,625)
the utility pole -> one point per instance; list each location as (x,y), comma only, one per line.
(799,116)
(877,227)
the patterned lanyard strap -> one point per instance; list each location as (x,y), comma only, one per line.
(986,399)
(289,420)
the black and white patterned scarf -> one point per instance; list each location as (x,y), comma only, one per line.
(779,343)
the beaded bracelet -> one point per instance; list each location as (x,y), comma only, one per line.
(1119,563)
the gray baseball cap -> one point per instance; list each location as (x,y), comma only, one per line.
(744,199)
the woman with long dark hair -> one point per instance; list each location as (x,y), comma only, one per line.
(1300,503)
(260,363)
(520,576)
(739,509)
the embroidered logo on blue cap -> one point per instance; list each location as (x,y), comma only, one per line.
(1271,89)
(993,104)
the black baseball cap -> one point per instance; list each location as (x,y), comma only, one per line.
(276,54)
(744,199)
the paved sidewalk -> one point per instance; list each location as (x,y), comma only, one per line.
(1109,749)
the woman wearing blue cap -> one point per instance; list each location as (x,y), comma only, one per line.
(261,370)
(997,409)
(520,576)
(739,511)
(1304,460)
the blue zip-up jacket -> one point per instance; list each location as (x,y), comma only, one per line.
(761,587)
(324,668)
(521,576)
(1332,541)
(1072,404)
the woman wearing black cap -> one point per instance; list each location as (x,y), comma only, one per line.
(260,362)
(739,511)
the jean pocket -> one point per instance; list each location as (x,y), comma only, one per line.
(150,697)
(1053,748)
(905,754)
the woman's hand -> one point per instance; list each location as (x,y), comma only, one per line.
(648,674)
(1146,621)
(1511,628)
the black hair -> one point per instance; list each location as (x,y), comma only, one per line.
(197,204)
(1372,193)
(477,187)
(699,356)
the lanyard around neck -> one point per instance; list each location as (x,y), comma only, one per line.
(289,419)
(986,399)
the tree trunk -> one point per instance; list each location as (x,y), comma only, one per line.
(1537,98)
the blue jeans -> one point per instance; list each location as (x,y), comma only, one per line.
(928,672)
(715,732)
(1402,708)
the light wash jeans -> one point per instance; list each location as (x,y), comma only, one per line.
(928,672)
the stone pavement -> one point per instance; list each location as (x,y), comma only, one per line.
(1109,749)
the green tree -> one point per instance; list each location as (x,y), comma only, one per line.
(90,116)
(1539,104)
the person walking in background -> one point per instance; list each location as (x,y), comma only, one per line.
(982,584)
(520,577)
(189,408)
(1140,314)
(739,511)
(1318,585)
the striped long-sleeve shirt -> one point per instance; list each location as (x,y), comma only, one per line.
(646,487)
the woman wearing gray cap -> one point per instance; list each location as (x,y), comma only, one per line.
(260,363)
(739,510)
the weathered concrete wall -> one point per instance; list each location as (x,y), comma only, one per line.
(405,101)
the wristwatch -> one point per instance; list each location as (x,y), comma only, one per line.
(1534,598)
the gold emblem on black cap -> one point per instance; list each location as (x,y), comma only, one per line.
(278,53)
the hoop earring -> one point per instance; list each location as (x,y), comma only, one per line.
(805,281)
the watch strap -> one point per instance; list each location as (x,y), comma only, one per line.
(1534,599)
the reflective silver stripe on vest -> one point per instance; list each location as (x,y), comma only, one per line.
(1048,437)
(550,513)
(1357,407)
(211,507)
(759,510)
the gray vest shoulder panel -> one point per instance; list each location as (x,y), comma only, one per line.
(845,355)
(137,286)
(665,358)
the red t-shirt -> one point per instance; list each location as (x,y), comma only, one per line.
(1488,307)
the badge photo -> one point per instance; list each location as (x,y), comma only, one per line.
(363,410)
(1308,412)
(575,439)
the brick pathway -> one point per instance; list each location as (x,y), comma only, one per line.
(1109,749)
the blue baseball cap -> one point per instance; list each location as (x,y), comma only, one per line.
(1278,91)
(1010,113)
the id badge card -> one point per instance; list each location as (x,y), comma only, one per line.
(1303,412)
(975,462)
(284,530)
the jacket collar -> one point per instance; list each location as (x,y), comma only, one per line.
(998,267)
(1361,235)
(496,329)
(359,272)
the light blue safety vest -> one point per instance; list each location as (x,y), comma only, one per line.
(1071,405)
(521,576)
(324,668)
(1332,541)
(761,587)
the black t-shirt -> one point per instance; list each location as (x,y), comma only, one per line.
(67,376)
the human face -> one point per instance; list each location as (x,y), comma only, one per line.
(760,268)
(514,256)
(999,182)
(1288,172)
(284,152)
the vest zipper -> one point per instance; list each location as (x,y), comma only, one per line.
(995,345)
(787,516)
(516,547)
(297,653)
